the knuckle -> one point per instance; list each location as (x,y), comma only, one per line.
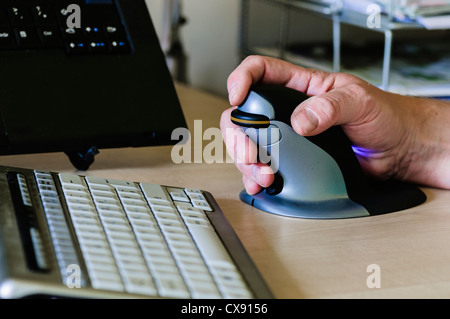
(357,89)
(329,107)
(252,58)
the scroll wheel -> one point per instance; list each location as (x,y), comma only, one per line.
(241,118)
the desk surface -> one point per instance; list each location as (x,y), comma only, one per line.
(298,258)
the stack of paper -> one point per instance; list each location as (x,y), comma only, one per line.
(433,14)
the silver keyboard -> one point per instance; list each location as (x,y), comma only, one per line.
(118,237)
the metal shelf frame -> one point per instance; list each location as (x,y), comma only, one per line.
(338,16)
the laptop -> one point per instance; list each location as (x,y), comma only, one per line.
(82,75)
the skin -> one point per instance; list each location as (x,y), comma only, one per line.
(401,137)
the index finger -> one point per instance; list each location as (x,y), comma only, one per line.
(259,69)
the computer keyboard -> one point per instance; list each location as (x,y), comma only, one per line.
(97,237)
(42,24)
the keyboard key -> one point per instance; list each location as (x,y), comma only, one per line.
(98,46)
(71,179)
(24,192)
(94,32)
(107,283)
(50,37)
(39,250)
(193,191)
(96,39)
(43,15)
(119,46)
(76,47)
(112,182)
(114,31)
(202,204)
(209,245)
(172,286)
(178,195)
(27,38)
(20,16)
(140,284)
(7,39)
(155,193)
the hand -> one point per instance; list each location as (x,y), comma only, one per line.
(395,136)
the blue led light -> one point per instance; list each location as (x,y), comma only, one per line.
(363,152)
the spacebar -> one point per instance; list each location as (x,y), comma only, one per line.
(210,246)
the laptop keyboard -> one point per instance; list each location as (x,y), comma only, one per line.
(135,238)
(43,24)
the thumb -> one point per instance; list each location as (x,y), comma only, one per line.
(320,112)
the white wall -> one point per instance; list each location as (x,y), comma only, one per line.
(210,39)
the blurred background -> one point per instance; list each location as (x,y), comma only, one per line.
(403,47)
(209,38)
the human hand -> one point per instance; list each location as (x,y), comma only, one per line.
(388,130)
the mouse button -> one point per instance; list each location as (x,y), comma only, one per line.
(256,104)
(268,136)
(264,137)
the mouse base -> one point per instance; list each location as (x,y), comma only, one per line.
(328,209)
(385,197)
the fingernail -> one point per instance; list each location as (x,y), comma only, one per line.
(307,120)
(233,91)
(256,174)
(248,184)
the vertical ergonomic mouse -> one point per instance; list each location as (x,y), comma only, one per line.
(315,176)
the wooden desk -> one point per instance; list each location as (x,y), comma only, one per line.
(299,258)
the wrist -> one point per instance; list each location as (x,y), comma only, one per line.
(428,147)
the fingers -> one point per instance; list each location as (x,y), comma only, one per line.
(251,187)
(256,176)
(258,69)
(239,146)
(345,105)
(245,155)
(259,173)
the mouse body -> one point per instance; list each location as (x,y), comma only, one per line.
(315,176)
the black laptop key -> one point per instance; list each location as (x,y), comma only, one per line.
(73,34)
(44,15)
(27,38)
(76,47)
(50,37)
(75,42)
(20,16)
(96,39)
(7,39)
